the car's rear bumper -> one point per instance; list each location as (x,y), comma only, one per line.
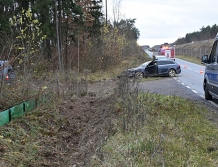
(179,71)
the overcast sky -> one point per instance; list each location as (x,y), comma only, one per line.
(161,21)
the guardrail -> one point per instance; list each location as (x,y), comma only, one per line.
(17,111)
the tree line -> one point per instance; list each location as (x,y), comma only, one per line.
(205,33)
(63,34)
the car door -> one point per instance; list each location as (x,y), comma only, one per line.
(163,67)
(212,70)
(151,69)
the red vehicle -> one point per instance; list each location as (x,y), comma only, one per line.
(168,51)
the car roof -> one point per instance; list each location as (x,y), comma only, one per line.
(2,62)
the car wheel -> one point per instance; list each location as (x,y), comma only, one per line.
(172,73)
(207,95)
(139,75)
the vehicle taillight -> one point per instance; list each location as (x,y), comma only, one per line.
(7,78)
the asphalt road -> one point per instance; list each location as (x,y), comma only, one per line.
(174,87)
(191,77)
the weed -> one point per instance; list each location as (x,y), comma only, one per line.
(157,130)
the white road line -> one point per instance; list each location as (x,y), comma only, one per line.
(213,103)
(195,91)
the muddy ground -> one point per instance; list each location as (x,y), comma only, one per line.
(89,123)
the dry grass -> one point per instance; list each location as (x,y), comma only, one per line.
(157,130)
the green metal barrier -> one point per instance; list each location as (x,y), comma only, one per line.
(29,105)
(17,111)
(4,117)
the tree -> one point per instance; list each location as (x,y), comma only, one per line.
(116,12)
(205,33)
(28,37)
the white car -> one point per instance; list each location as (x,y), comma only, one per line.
(6,71)
(160,58)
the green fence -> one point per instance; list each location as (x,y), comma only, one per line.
(29,105)
(4,117)
(16,111)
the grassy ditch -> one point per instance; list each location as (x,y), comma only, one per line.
(157,130)
(30,141)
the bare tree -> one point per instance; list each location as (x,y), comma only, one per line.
(116,11)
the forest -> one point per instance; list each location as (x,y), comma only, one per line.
(63,34)
(205,33)
(70,35)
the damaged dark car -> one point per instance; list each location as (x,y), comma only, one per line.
(153,68)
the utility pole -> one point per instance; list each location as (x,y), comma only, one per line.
(58,38)
(106,11)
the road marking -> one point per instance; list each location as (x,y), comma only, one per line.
(202,96)
(213,103)
(195,91)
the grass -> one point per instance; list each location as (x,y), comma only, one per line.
(157,130)
(190,59)
(21,140)
(151,130)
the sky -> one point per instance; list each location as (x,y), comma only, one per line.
(164,21)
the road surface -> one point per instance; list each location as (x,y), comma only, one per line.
(191,77)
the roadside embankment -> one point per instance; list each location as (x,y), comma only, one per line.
(195,48)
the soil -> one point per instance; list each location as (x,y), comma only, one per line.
(90,120)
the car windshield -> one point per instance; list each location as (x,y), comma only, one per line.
(144,64)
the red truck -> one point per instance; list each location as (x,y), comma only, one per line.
(168,51)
